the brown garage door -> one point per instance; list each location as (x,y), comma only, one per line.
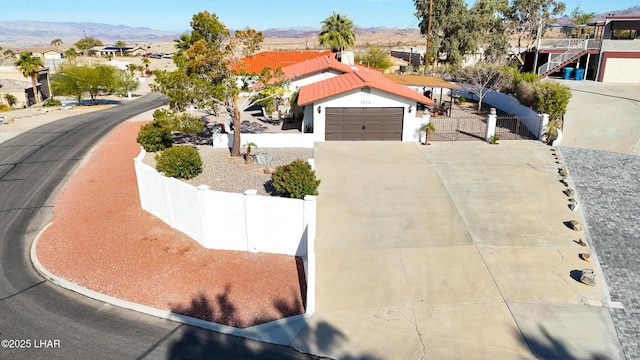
(364,123)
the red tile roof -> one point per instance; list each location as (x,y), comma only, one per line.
(274,59)
(356,79)
(315,65)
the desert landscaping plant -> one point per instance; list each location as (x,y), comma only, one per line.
(295,180)
(426,128)
(155,136)
(11,99)
(552,98)
(493,139)
(247,156)
(50,102)
(182,162)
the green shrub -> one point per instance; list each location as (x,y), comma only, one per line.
(155,136)
(552,99)
(295,180)
(4,107)
(51,102)
(182,162)
(185,123)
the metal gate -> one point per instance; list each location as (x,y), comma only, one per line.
(458,128)
(514,128)
(474,127)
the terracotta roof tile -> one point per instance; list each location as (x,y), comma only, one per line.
(315,65)
(355,80)
(274,59)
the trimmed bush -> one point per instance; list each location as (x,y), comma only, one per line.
(4,107)
(295,180)
(51,102)
(155,136)
(181,162)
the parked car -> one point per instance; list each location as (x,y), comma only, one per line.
(168,56)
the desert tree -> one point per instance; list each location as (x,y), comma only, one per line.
(525,16)
(124,83)
(121,45)
(75,80)
(450,29)
(337,32)
(30,66)
(488,23)
(376,57)
(482,78)
(85,44)
(579,19)
(205,73)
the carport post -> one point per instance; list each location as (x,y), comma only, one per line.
(491,124)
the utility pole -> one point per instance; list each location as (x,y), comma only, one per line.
(426,54)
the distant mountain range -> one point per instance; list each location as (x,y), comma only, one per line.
(34,33)
(18,33)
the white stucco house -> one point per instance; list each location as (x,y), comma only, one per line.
(344,101)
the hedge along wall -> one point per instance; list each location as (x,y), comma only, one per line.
(231,221)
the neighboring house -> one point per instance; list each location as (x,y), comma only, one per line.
(21,87)
(611,54)
(44,53)
(399,66)
(412,56)
(18,88)
(344,101)
(115,51)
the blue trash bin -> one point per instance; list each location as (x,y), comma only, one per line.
(579,74)
(567,72)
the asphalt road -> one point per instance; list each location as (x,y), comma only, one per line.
(39,320)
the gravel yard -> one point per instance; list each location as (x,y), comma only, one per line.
(222,172)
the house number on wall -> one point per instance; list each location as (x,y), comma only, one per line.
(365,102)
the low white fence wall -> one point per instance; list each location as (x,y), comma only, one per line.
(530,118)
(232,221)
(266,140)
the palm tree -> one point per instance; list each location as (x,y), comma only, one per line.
(30,66)
(338,32)
(146,62)
(56,42)
(426,128)
(71,54)
(120,45)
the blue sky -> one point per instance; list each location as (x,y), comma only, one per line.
(175,15)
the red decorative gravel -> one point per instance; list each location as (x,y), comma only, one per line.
(102,240)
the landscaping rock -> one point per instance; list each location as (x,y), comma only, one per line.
(576,225)
(263,158)
(588,277)
(268,170)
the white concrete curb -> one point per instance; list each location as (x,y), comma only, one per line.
(280,332)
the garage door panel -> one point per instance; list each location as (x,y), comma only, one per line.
(624,70)
(352,124)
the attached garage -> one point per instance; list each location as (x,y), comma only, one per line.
(623,70)
(364,123)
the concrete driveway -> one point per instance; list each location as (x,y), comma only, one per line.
(603,116)
(452,251)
